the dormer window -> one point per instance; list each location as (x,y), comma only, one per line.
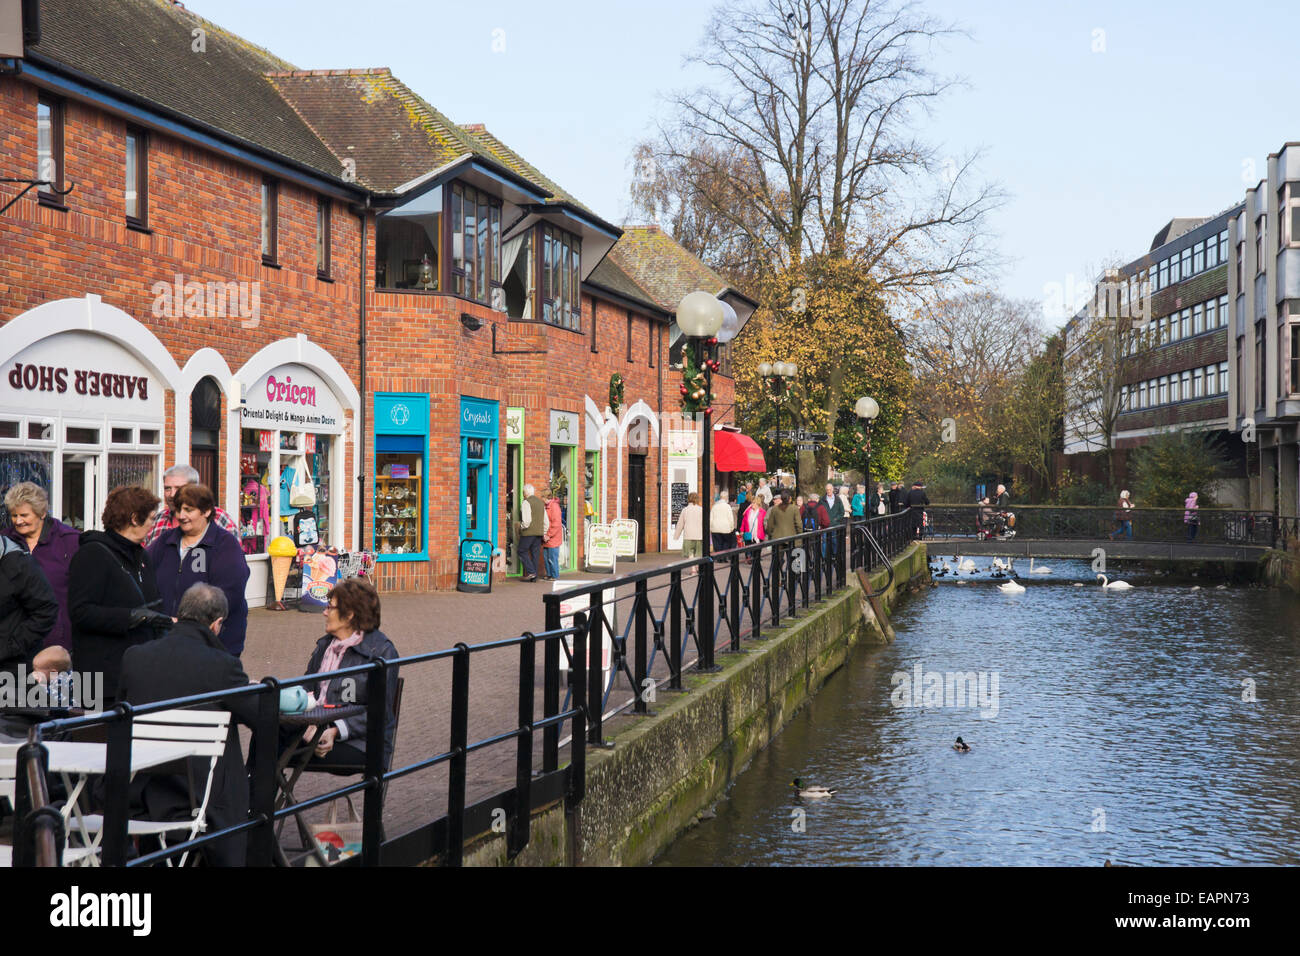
(475,244)
(561,278)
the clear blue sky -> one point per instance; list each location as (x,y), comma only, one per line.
(1097,149)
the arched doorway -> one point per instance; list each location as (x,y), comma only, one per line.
(205,431)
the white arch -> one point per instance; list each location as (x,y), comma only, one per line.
(638,409)
(302,351)
(90,314)
(202,364)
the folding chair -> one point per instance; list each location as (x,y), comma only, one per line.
(9,790)
(202,733)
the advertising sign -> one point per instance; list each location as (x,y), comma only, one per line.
(475,566)
(600,547)
(582,602)
(294,398)
(624,537)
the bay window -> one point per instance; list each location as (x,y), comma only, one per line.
(407,239)
(475,243)
(561,278)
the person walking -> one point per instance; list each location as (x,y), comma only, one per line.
(50,542)
(690,528)
(1191,517)
(895,497)
(552,536)
(858,504)
(751,523)
(917,501)
(814,516)
(722,524)
(532,526)
(879,505)
(112,589)
(782,519)
(197,551)
(1123,517)
(764,492)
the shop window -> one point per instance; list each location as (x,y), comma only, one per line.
(81,436)
(121,436)
(150,436)
(9,429)
(40,431)
(255,482)
(399,497)
(137,470)
(21,465)
(205,430)
(408,245)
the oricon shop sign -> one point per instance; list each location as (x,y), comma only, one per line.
(295,398)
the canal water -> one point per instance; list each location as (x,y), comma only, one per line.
(1155,726)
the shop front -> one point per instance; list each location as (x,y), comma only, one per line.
(291,466)
(514,486)
(480,422)
(81,411)
(564,436)
(683,477)
(401,504)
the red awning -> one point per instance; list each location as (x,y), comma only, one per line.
(733,451)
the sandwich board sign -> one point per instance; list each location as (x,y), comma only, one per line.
(600,552)
(624,537)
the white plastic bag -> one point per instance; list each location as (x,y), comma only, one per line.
(302,493)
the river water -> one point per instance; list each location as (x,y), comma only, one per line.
(1122,729)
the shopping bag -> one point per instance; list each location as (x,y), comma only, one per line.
(302,493)
(338,839)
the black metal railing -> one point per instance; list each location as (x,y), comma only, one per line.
(1044,522)
(708,604)
(443,837)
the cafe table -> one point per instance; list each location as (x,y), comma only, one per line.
(294,760)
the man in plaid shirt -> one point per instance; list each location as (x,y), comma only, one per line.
(175,478)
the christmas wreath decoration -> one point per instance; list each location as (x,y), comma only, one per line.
(615,393)
(696,396)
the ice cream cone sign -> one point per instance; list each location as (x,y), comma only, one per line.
(282,551)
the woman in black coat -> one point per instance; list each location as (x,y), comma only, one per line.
(352,638)
(112,592)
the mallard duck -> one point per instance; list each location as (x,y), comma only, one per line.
(812,793)
(961,746)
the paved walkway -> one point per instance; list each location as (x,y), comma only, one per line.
(280,644)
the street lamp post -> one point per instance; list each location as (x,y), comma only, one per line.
(778,377)
(866,408)
(702,316)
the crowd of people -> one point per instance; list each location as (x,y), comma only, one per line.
(153,606)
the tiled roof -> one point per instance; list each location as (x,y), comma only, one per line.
(372,116)
(611,277)
(662,266)
(145,48)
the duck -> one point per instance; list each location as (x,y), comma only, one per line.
(1110,585)
(1221,587)
(812,793)
(1011,587)
(961,746)
(1196,587)
(1077,584)
(1038,570)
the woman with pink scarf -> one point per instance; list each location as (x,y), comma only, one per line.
(1190,516)
(352,638)
(751,523)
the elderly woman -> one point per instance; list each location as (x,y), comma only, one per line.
(50,542)
(352,637)
(112,593)
(198,551)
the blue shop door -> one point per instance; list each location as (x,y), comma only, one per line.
(478,515)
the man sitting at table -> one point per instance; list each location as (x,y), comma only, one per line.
(190,659)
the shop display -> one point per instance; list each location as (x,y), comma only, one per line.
(254,491)
(399,524)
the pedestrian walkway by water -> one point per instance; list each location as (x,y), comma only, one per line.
(1120,733)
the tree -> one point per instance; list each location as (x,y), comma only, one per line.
(802,144)
(1173,463)
(829,318)
(1033,419)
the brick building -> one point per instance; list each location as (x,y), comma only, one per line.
(267,263)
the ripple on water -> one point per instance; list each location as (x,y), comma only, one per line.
(1120,733)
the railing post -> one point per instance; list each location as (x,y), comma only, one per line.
(842,542)
(774,582)
(459,756)
(261,779)
(756,596)
(372,807)
(117,783)
(520,826)
(675,629)
(734,588)
(704,598)
(640,610)
(578,738)
(596,672)
(551,688)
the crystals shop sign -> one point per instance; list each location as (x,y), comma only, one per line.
(293,398)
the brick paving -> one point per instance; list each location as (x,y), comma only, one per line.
(280,644)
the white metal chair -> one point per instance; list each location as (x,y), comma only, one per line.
(9,790)
(203,734)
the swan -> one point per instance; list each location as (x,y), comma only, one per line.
(968,565)
(1114,585)
(1011,587)
(1038,570)
(812,793)
(999,564)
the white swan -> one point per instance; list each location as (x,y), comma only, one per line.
(967,565)
(1039,570)
(1114,585)
(1012,587)
(999,564)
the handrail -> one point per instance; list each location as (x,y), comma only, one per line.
(889,565)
